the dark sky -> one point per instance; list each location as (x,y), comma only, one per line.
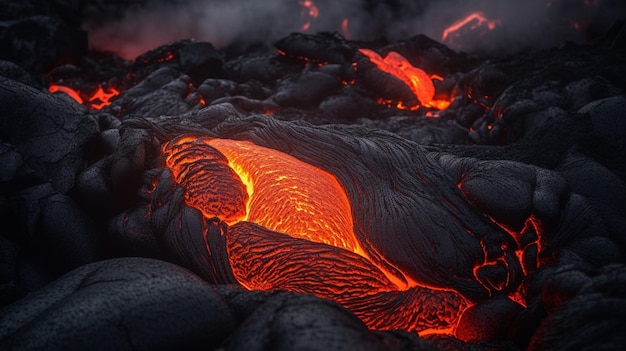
(518,25)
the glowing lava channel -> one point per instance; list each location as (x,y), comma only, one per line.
(97,101)
(240,181)
(291,227)
(416,79)
(291,196)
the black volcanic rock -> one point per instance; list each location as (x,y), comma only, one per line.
(321,48)
(41,36)
(52,134)
(592,319)
(121,304)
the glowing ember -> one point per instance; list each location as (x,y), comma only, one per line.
(283,193)
(436,77)
(472,22)
(98,100)
(416,79)
(101,98)
(309,11)
(290,227)
(67,90)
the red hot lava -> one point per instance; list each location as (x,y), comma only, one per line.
(472,22)
(291,228)
(416,79)
(99,99)
(67,90)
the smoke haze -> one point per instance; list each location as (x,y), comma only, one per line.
(533,24)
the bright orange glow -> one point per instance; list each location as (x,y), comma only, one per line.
(472,21)
(211,185)
(67,90)
(281,193)
(308,262)
(291,227)
(291,196)
(101,98)
(436,77)
(309,11)
(440,104)
(98,100)
(416,79)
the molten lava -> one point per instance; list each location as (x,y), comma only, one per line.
(473,21)
(416,79)
(102,98)
(290,227)
(264,186)
(96,101)
(211,185)
(67,90)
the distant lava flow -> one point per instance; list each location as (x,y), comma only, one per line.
(290,227)
(471,22)
(99,99)
(416,79)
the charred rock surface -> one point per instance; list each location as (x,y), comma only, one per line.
(126,303)
(41,36)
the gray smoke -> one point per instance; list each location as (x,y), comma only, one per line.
(521,25)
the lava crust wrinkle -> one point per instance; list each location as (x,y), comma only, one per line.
(295,231)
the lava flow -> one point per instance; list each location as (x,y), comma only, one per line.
(101,98)
(291,196)
(263,186)
(96,101)
(291,227)
(471,22)
(416,79)
(67,90)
